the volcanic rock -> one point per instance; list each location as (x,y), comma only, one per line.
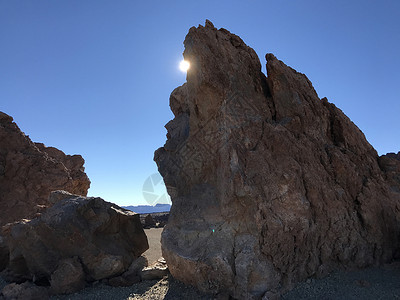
(68,278)
(154,220)
(24,291)
(269,183)
(390,165)
(132,275)
(76,234)
(30,171)
(149,222)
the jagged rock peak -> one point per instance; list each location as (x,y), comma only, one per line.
(269,184)
(30,171)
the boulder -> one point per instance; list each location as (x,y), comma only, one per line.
(269,184)
(23,291)
(30,171)
(78,239)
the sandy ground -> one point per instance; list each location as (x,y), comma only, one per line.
(153,237)
(371,283)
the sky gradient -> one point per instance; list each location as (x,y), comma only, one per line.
(93,77)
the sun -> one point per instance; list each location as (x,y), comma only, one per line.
(184,65)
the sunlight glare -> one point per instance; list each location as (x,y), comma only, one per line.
(184,66)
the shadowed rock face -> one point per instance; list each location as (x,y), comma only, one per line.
(269,184)
(390,164)
(77,239)
(30,171)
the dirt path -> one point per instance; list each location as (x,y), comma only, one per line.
(154,252)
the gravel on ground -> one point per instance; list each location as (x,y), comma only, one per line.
(368,284)
(166,288)
(371,283)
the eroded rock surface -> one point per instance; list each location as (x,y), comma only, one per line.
(390,164)
(77,239)
(30,171)
(269,183)
(24,291)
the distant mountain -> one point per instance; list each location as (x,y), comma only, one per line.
(147,209)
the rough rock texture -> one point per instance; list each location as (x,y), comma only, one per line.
(30,171)
(69,277)
(24,291)
(75,234)
(390,164)
(269,184)
(132,275)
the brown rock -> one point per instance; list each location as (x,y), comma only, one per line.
(136,267)
(132,275)
(68,278)
(101,236)
(270,185)
(30,171)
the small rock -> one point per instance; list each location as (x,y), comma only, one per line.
(162,260)
(69,277)
(271,295)
(132,275)
(150,273)
(155,271)
(363,283)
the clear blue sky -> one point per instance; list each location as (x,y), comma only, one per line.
(94,77)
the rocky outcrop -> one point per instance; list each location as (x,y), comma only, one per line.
(76,240)
(269,183)
(30,171)
(393,155)
(390,165)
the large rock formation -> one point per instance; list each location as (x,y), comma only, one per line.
(77,239)
(30,171)
(269,184)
